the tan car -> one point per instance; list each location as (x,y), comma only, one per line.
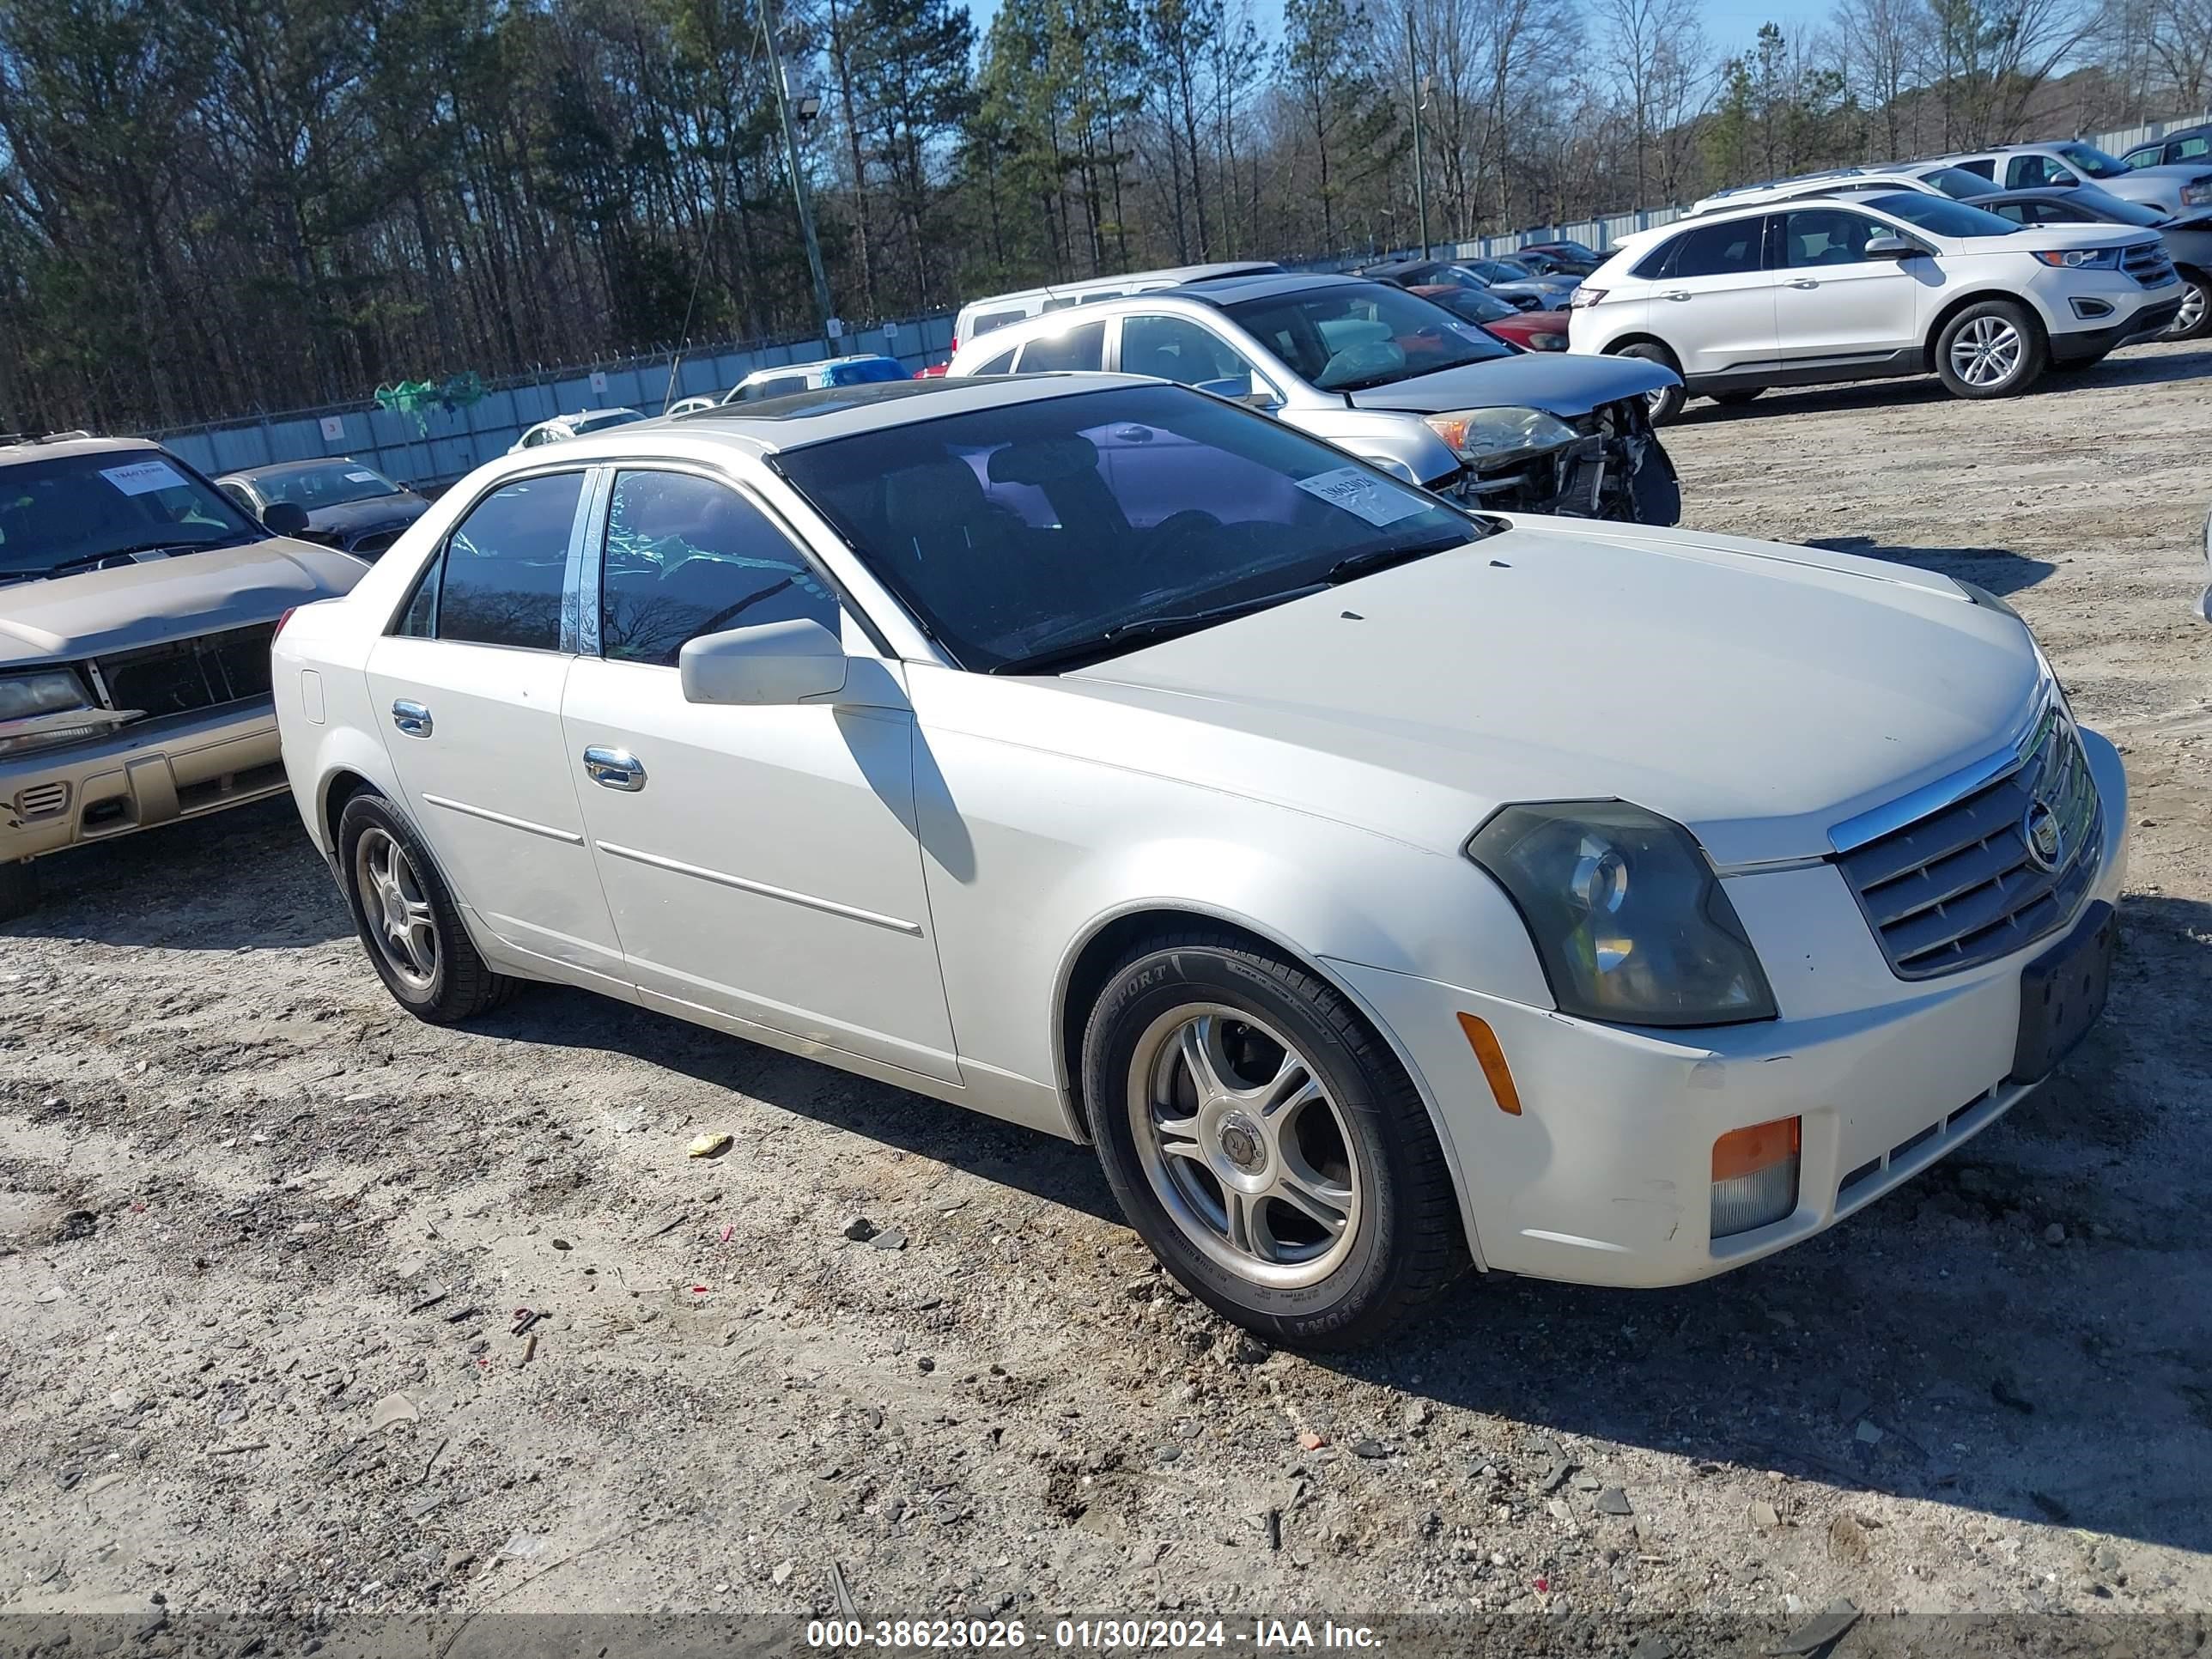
(137,606)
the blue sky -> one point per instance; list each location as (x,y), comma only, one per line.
(1730,25)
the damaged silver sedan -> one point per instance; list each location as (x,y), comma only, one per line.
(1388,375)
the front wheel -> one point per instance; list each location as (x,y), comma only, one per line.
(1990,349)
(407,919)
(1267,1144)
(2195,317)
(1665,404)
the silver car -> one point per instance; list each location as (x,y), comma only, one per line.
(2068,166)
(1388,376)
(138,603)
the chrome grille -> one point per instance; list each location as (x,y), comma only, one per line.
(1962,885)
(2148,264)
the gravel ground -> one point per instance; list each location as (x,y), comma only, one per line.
(269,1236)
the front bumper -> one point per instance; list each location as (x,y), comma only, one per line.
(1615,469)
(141,775)
(2138,314)
(1605,1175)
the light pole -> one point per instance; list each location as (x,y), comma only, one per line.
(1420,98)
(810,107)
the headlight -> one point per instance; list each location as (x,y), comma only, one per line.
(1484,437)
(1629,921)
(52,691)
(2195,195)
(1547,343)
(2080,258)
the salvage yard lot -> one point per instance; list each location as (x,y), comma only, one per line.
(250,1201)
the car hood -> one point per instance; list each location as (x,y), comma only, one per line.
(93,611)
(1556,382)
(1758,694)
(345,518)
(2031,237)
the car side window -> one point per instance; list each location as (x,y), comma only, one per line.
(1083,348)
(2191,150)
(1178,350)
(686,555)
(1826,236)
(1723,250)
(991,319)
(500,577)
(1985,169)
(2035,172)
(1001,362)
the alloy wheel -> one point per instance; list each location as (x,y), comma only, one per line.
(2192,314)
(1987,351)
(400,921)
(1242,1146)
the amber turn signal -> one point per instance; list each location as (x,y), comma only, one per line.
(1483,1041)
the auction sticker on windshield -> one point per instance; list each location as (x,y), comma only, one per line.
(1375,499)
(142,476)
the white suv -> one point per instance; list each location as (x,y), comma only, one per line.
(1866,284)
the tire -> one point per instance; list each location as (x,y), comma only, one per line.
(1736,399)
(425,960)
(1993,348)
(2194,320)
(19,889)
(1353,1138)
(1663,405)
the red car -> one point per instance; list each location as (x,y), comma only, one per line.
(1532,330)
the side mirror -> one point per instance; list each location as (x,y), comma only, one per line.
(1891,248)
(2063,181)
(285,519)
(774,663)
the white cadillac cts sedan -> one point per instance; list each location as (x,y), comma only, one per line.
(1377,885)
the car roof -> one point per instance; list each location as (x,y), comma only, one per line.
(284,469)
(1165,277)
(14,450)
(804,418)
(1229,290)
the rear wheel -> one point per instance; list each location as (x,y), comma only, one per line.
(19,889)
(407,919)
(2195,318)
(1667,402)
(1737,398)
(1992,348)
(1266,1143)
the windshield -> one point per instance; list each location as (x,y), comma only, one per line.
(2113,211)
(1941,215)
(1017,533)
(1500,271)
(323,486)
(598,420)
(74,509)
(1349,337)
(2088,159)
(1957,183)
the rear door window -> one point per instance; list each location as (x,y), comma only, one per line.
(500,577)
(1728,249)
(1083,348)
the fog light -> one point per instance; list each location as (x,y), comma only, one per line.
(1754,1176)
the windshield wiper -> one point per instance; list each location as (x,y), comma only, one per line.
(1355,565)
(1125,635)
(83,560)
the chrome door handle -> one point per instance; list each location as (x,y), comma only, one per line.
(614,769)
(1804,282)
(1676,293)
(411,718)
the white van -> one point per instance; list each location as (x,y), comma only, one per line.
(980,316)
